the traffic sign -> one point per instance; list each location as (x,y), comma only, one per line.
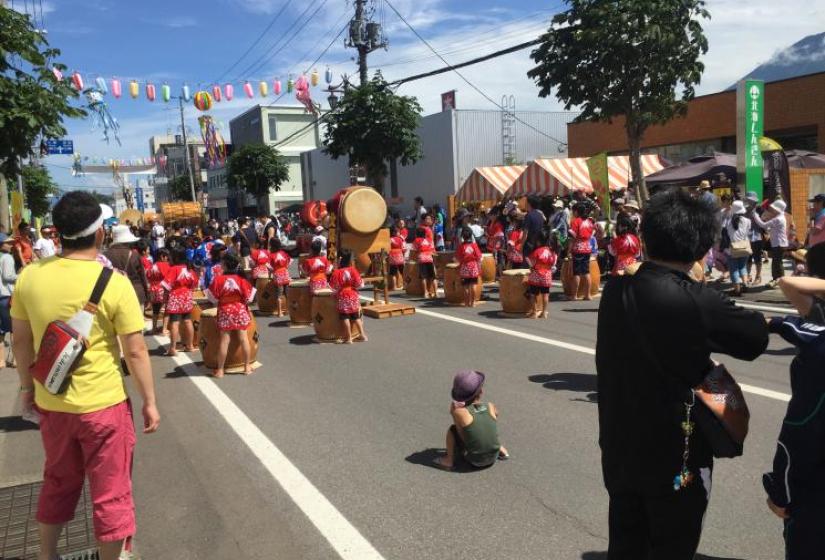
(59,147)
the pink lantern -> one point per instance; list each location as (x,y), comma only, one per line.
(229,90)
(150,92)
(58,75)
(247,87)
(276,87)
(116,89)
(216,93)
(77,81)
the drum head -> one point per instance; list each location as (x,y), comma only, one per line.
(209,313)
(325,292)
(299,284)
(452,265)
(364,210)
(516,272)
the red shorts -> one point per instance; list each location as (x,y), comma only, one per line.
(98,445)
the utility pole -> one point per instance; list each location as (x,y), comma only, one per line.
(365,36)
(186,152)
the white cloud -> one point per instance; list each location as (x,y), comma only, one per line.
(173,22)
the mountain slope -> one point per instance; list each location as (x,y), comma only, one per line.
(804,57)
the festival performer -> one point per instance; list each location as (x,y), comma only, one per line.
(496,238)
(155,275)
(468,255)
(473,436)
(317,268)
(180,280)
(345,282)
(541,261)
(426,267)
(396,256)
(581,231)
(402,229)
(625,246)
(212,266)
(515,242)
(231,293)
(279,261)
(261,267)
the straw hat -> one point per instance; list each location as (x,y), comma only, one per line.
(632,204)
(704,184)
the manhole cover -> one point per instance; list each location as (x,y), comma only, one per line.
(18,528)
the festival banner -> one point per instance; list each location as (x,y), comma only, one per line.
(599,178)
(16,209)
(750,126)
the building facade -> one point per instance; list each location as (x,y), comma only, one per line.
(170,159)
(292,131)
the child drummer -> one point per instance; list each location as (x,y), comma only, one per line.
(345,282)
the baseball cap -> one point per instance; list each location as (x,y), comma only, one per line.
(818,198)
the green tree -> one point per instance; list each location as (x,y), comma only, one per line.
(636,58)
(256,169)
(34,101)
(37,187)
(179,188)
(372,125)
(103,198)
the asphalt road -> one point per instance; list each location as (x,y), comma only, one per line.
(361,423)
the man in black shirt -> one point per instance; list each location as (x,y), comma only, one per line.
(533,224)
(245,240)
(646,359)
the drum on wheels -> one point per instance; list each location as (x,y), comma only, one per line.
(488,268)
(209,336)
(454,287)
(567,279)
(266,295)
(513,292)
(413,285)
(299,303)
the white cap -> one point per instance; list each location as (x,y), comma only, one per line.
(122,234)
(738,207)
(779,206)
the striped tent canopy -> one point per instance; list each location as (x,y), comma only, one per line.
(558,177)
(488,183)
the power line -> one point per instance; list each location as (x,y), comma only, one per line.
(255,43)
(468,82)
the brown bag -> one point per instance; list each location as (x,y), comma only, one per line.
(722,395)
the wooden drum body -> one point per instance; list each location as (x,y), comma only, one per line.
(209,336)
(301,258)
(266,298)
(442,259)
(361,210)
(454,288)
(325,319)
(488,268)
(201,304)
(299,302)
(512,289)
(567,279)
(413,285)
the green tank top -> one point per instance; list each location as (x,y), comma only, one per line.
(481,437)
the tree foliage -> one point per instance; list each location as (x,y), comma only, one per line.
(372,125)
(256,169)
(637,58)
(179,188)
(37,188)
(34,102)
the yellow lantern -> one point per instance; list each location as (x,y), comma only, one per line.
(263,87)
(134,89)
(314,78)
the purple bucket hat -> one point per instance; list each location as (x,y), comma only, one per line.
(466,385)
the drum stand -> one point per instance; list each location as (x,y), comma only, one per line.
(381,283)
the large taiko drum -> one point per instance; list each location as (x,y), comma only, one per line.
(512,288)
(299,303)
(208,338)
(363,263)
(266,295)
(488,268)
(454,287)
(360,209)
(313,212)
(325,319)
(413,284)
(442,259)
(567,279)
(198,308)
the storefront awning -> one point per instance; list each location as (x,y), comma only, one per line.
(488,183)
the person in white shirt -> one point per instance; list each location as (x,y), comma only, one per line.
(158,235)
(319,236)
(777,227)
(44,247)
(739,233)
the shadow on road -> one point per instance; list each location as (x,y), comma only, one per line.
(9,424)
(603,556)
(497,314)
(305,340)
(576,382)
(580,310)
(280,323)
(426,457)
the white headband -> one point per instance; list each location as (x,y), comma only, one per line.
(88,231)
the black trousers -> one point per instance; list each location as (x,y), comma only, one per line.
(777,262)
(805,533)
(662,527)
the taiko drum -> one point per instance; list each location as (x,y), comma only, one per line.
(208,338)
(453,286)
(266,295)
(488,268)
(299,303)
(512,291)
(413,284)
(567,279)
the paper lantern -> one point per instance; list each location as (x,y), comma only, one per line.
(134,89)
(203,101)
(328,75)
(229,90)
(290,85)
(101,85)
(58,75)
(77,81)
(276,87)
(247,87)
(263,87)
(116,90)
(165,93)
(150,92)
(216,93)
(314,78)
(185,93)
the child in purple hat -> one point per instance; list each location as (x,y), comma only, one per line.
(474,433)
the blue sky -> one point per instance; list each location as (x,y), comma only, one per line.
(179,41)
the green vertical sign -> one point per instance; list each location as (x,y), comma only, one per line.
(750,101)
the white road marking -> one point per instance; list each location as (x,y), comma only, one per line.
(781,310)
(347,541)
(776,395)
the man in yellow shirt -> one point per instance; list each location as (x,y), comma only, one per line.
(88,429)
